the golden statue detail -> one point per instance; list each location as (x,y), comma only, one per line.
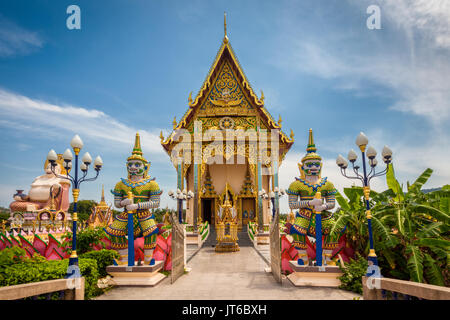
(227,227)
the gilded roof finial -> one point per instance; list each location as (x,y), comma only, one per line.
(174,122)
(225,37)
(161,136)
(190,98)
(262,97)
(103,193)
(292,134)
(280,120)
(102,203)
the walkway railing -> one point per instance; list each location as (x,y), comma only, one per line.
(387,288)
(68,289)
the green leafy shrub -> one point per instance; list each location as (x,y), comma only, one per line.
(12,255)
(4,215)
(86,239)
(16,268)
(353,273)
(103,258)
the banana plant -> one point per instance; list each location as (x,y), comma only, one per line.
(352,215)
(411,228)
(420,227)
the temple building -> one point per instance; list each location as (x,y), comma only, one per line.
(101,214)
(236,171)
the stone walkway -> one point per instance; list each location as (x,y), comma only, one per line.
(226,276)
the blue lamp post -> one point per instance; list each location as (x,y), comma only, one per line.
(76,179)
(272,195)
(181,196)
(370,154)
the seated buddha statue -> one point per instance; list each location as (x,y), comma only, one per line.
(43,189)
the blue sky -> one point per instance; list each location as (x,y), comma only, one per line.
(133,63)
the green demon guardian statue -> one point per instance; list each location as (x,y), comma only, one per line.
(146,195)
(301,196)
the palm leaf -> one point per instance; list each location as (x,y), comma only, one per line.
(354,194)
(393,184)
(383,196)
(432,242)
(435,213)
(340,223)
(390,257)
(400,219)
(432,271)
(421,180)
(433,229)
(342,201)
(415,263)
(383,231)
(444,205)
(441,253)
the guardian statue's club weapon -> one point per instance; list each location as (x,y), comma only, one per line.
(318,216)
(130,232)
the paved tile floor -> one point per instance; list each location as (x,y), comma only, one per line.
(226,276)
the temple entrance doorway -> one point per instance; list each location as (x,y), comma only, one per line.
(248,210)
(207,210)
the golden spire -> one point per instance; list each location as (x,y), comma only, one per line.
(311,146)
(103,193)
(102,203)
(292,134)
(225,37)
(174,122)
(280,120)
(225,23)
(190,98)
(137,145)
(137,154)
(262,96)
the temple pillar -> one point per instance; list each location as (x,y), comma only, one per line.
(260,212)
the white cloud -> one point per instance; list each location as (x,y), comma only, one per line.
(28,114)
(15,40)
(431,18)
(409,57)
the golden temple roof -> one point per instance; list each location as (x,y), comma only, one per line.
(226,56)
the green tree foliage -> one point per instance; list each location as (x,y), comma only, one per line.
(86,238)
(4,214)
(17,268)
(84,208)
(103,258)
(411,229)
(352,274)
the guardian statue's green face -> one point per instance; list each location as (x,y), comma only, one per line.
(136,168)
(312,167)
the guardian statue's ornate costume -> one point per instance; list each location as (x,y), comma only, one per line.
(301,196)
(146,195)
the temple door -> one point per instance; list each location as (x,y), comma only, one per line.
(178,249)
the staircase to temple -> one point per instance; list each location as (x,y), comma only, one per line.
(244,240)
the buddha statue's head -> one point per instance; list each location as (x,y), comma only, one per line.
(137,165)
(311,164)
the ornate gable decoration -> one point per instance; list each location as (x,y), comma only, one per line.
(227,101)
